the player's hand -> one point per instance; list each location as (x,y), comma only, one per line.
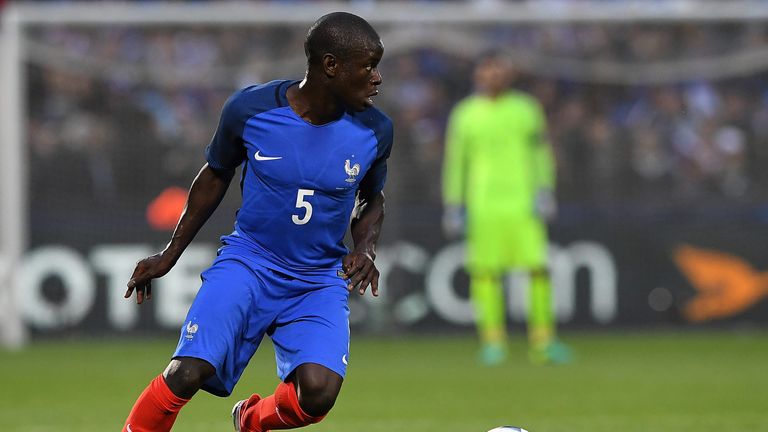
(360,271)
(545,205)
(454,221)
(147,269)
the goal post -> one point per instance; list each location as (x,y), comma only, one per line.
(31,46)
(12,179)
(402,12)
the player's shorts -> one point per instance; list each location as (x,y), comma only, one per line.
(240,301)
(500,244)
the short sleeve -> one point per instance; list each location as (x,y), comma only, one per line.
(226,150)
(374,179)
(457,141)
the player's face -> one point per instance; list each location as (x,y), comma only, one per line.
(361,77)
(493,75)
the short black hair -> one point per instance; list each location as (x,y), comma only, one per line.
(492,54)
(340,34)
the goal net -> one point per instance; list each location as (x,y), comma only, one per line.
(655,112)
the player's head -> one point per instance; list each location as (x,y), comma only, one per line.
(494,72)
(345,50)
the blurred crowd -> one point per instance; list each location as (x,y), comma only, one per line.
(118,114)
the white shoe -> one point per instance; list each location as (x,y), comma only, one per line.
(236,414)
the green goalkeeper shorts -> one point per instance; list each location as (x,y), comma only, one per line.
(497,244)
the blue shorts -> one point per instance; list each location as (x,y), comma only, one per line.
(241,300)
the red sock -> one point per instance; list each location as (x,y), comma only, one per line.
(155,410)
(278,411)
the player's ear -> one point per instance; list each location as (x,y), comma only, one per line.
(330,64)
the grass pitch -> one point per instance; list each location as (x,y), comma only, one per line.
(643,382)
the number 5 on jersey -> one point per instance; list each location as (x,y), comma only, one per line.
(302,203)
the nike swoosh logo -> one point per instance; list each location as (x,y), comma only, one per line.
(128,428)
(259,157)
(344,359)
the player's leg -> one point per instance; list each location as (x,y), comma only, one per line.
(542,325)
(311,340)
(531,253)
(542,332)
(532,256)
(541,320)
(303,399)
(160,402)
(317,388)
(488,242)
(210,352)
(155,409)
(184,376)
(487,295)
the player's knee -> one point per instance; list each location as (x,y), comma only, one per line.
(318,391)
(317,400)
(185,375)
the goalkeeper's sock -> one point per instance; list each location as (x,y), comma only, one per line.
(155,410)
(280,410)
(541,319)
(488,300)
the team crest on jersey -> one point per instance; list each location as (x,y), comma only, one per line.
(352,171)
(191,330)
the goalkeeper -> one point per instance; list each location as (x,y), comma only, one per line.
(498,186)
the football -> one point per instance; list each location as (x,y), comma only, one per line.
(508,429)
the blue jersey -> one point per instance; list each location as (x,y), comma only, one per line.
(299,180)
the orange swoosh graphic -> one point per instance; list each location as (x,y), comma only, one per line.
(726,284)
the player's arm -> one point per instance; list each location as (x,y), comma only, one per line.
(544,161)
(224,154)
(368,216)
(205,195)
(365,229)
(454,175)
(454,161)
(544,169)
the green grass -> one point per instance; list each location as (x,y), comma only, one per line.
(673,382)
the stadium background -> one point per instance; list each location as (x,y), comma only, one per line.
(658,114)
